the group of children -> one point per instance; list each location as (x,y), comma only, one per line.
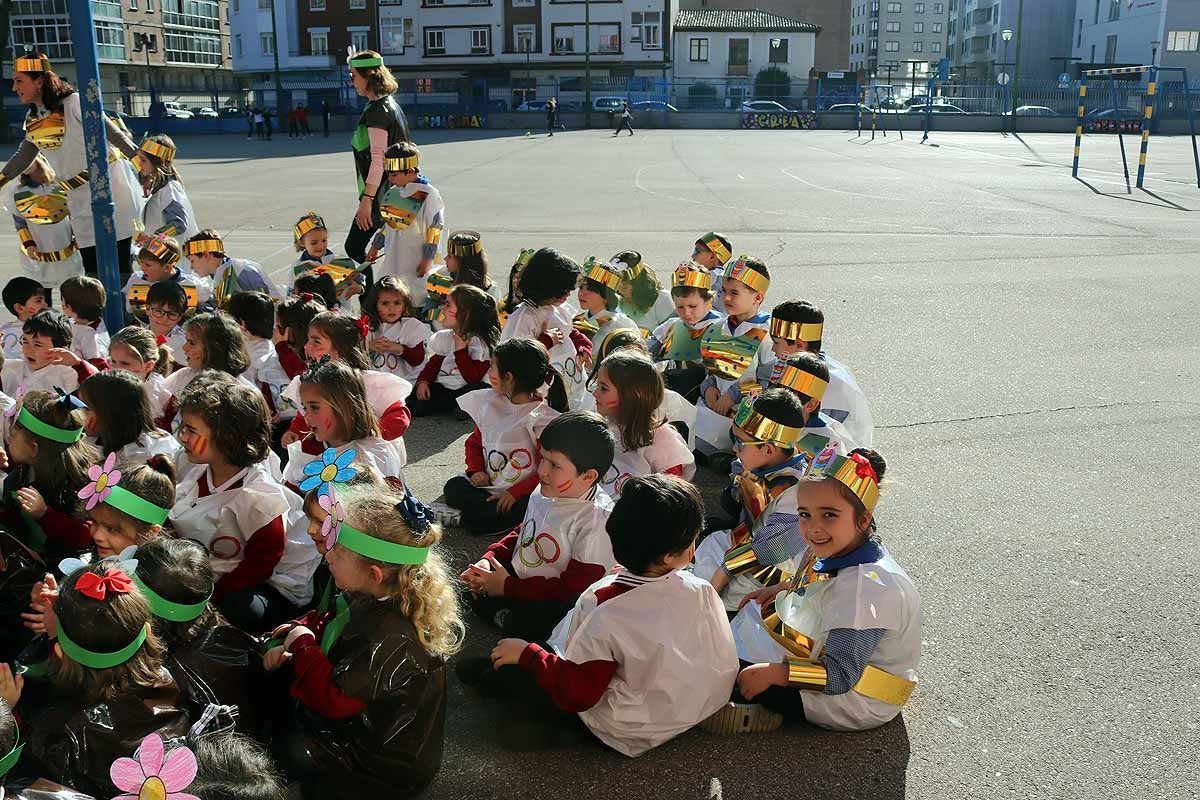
(207,509)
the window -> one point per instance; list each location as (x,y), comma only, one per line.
(523,38)
(918,8)
(1183,41)
(1079,33)
(893,8)
(891,47)
(937,8)
(316,5)
(874,26)
(778,52)
(918,47)
(698,49)
(564,44)
(892,27)
(1114,10)
(635,20)
(950,28)
(424,85)
(266,42)
(935,47)
(651,30)
(410,37)
(435,42)
(1093,58)
(1110,49)
(358,5)
(237,6)
(1096,15)
(149,5)
(358,40)
(524,3)
(479,41)
(264,5)
(918,27)
(237,44)
(937,27)
(318,42)
(391,34)
(192,48)
(609,42)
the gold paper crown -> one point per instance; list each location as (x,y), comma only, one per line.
(199,246)
(466,249)
(524,256)
(397,164)
(742,272)
(635,269)
(602,272)
(157,248)
(690,273)
(857,476)
(763,428)
(713,243)
(163,152)
(796,331)
(807,384)
(26,64)
(310,222)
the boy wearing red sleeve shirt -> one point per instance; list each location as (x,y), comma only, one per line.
(647,651)
(537,571)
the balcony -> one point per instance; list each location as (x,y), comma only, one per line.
(298,60)
(737,70)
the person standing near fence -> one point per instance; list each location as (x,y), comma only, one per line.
(302,119)
(551,114)
(293,123)
(325,116)
(626,121)
(381,125)
(260,123)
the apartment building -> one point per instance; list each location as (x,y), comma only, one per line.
(183,44)
(1143,32)
(977,49)
(887,35)
(831,16)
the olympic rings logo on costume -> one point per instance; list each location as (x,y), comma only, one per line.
(226,547)
(530,540)
(615,478)
(572,370)
(386,361)
(508,467)
(10,342)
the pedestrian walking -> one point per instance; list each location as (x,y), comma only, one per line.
(626,121)
(260,126)
(302,119)
(551,114)
(267,121)
(249,124)
(293,123)
(325,116)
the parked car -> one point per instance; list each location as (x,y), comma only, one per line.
(175,110)
(848,108)
(1034,111)
(532,105)
(651,105)
(1109,113)
(204,112)
(607,103)
(230,112)
(937,108)
(765,107)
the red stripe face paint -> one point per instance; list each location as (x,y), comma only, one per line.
(564,486)
(199,446)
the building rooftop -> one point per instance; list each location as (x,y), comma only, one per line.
(728,19)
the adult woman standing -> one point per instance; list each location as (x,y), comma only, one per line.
(381,125)
(54,127)
(551,114)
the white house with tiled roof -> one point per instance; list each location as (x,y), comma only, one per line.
(728,47)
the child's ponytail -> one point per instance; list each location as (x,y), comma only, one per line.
(529,364)
(556,395)
(477,315)
(347,336)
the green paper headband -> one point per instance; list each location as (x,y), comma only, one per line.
(136,507)
(10,760)
(35,425)
(378,549)
(169,610)
(90,658)
(366,62)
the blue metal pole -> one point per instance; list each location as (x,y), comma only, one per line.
(83,39)
(928,109)
(1112,85)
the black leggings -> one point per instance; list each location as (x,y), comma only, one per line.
(780,699)
(479,516)
(531,620)
(358,240)
(258,608)
(441,400)
(91,264)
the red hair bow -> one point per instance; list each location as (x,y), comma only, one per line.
(96,587)
(160,340)
(864,468)
(306,296)
(364,325)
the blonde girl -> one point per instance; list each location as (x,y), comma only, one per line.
(139,352)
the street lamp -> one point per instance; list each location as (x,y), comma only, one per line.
(1006,35)
(1154,51)
(1017,63)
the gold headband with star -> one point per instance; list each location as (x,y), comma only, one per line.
(692,274)
(601,272)
(200,246)
(763,428)
(163,152)
(713,242)
(310,222)
(742,272)
(466,249)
